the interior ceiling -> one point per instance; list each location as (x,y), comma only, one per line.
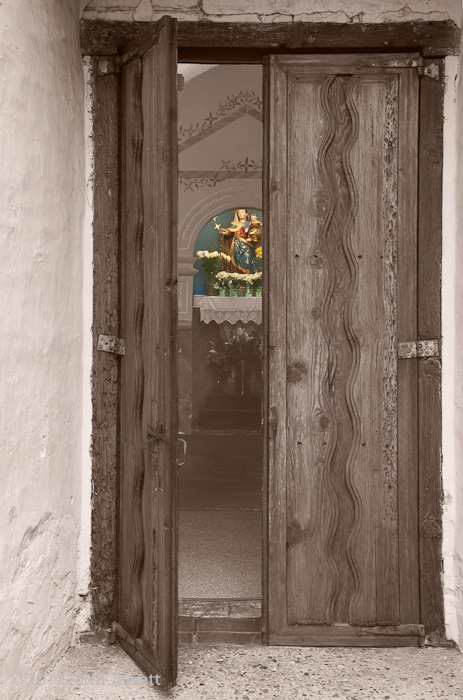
(191,70)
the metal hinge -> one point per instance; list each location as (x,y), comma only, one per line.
(418,348)
(108,65)
(109,343)
(428,69)
(180,82)
(158,433)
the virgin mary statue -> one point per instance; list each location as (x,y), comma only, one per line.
(240,241)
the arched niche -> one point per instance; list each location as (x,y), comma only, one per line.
(247,193)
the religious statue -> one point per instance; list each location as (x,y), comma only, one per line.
(241,240)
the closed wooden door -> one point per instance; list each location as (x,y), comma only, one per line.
(147,624)
(342,138)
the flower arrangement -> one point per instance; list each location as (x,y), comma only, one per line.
(243,345)
(232,282)
(240,354)
(244,349)
(211,261)
(218,357)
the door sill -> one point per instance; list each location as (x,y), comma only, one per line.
(220,621)
(340,635)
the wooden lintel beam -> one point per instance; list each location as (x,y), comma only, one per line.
(100,37)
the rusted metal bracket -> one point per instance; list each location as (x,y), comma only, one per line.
(428,69)
(418,348)
(109,343)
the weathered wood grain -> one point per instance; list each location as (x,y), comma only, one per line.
(347,636)
(276,420)
(132,541)
(311,507)
(266,435)
(433,38)
(105,374)
(343,481)
(429,370)
(407,308)
(148,494)
(374,320)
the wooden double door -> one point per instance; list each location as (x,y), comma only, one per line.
(340,430)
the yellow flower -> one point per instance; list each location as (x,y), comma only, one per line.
(259,251)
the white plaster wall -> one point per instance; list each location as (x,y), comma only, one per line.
(85,543)
(452,348)
(458,494)
(42,186)
(277,10)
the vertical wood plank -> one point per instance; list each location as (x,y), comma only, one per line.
(105,374)
(343,480)
(407,306)
(374,321)
(429,370)
(276,305)
(386,470)
(312,508)
(149,406)
(265,347)
(133,453)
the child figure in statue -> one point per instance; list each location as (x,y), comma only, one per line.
(240,241)
(256,229)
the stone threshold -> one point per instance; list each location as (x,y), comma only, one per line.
(220,621)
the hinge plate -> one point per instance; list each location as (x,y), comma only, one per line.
(429,69)
(180,82)
(418,348)
(109,343)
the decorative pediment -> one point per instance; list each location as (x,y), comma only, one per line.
(234,108)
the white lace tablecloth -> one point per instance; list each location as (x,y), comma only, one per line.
(231,309)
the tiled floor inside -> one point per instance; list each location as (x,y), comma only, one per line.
(220,522)
(220,554)
(284,673)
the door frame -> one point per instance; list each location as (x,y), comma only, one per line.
(206,42)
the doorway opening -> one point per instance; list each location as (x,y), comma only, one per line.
(221,224)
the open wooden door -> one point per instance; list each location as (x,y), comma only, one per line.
(147,625)
(341,271)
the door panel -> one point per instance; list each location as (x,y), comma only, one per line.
(147,624)
(342,174)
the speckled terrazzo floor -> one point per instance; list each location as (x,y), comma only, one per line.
(286,673)
(220,554)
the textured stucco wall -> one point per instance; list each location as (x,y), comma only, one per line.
(42,186)
(458,495)
(452,348)
(277,10)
